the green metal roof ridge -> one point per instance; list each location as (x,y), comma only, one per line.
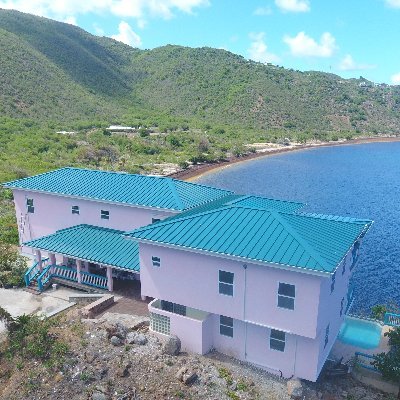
(312,252)
(174,192)
(337,218)
(248,196)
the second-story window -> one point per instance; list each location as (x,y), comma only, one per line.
(326,335)
(226,283)
(333,281)
(344,267)
(226,326)
(286,295)
(277,340)
(154,220)
(29,206)
(156,261)
(105,214)
(75,210)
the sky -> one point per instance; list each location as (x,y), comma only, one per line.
(351,38)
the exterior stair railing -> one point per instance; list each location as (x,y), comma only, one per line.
(69,274)
(34,271)
(364,360)
(392,319)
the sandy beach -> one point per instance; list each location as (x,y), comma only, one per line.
(196,171)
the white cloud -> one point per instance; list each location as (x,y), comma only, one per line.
(263,11)
(293,5)
(304,45)
(258,50)
(396,79)
(348,64)
(393,3)
(127,35)
(139,9)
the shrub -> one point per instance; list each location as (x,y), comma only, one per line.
(12,266)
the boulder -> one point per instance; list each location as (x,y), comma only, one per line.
(171,346)
(130,338)
(186,375)
(140,339)
(115,341)
(295,388)
(99,396)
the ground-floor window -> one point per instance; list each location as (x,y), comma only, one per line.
(159,323)
(173,307)
(326,335)
(277,340)
(226,326)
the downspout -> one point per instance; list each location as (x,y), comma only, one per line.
(244,311)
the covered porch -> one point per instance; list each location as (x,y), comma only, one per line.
(84,256)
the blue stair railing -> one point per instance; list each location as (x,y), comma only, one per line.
(392,319)
(44,278)
(34,271)
(364,360)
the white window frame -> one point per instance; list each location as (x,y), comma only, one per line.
(285,296)
(225,326)
(277,340)
(104,214)
(30,206)
(225,283)
(156,261)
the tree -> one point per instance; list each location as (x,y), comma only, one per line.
(389,363)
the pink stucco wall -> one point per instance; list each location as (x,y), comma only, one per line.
(191,279)
(53,212)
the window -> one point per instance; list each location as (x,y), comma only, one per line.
(154,220)
(226,283)
(226,326)
(344,267)
(277,340)
(333,282)
(29,206)
(159,323)
(75,210)
(173,307)
(354,254)
(286,296)
(341,306)
(105,214)
(156,261)
(326,336)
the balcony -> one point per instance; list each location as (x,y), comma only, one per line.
(193,327)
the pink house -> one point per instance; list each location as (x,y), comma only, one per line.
(251,277)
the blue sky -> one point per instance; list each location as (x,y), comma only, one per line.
(346,37)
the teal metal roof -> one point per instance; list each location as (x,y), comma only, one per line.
(140,190)
(92,243)
(311,242)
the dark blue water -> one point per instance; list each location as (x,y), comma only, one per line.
(356,180)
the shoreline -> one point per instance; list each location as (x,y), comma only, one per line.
(202,169)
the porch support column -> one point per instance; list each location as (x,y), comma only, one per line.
(109,279)
(65,260)
(53,261)
(78,270)
(39,259)
(143,297)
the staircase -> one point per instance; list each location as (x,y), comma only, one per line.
(33,287)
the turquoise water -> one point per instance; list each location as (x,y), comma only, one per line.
(356,180)
(359,333)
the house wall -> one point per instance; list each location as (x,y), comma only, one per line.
(191,279)
(53,212)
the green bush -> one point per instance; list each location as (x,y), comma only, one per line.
(12,266)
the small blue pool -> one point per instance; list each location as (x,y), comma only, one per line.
(360,333)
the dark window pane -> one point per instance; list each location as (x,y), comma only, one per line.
(31,209)
(157,259)
(226,277)
(286,289)
(226,289)
(277,334)
(154,220)
(179,309)
(228,321)
(105,214)
(277,345)
(226,330)
(286,302)
(167,306)
(29,202)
